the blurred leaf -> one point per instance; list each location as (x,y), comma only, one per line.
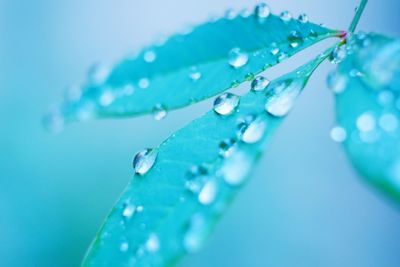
(367,86)
(190,67)
(184,186)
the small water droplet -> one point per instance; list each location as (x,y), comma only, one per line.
(159,112)
(227,147)
(262,11)
(194,74)
(231,14)
(208,193)
(303,18)
(286,16)
(149,56)
(285,93)
(274,49)
(128,211)
(139,208)
(124,246)
(226,104)
(236,168)
(252,131)
(237,58)
(194,238)
(338,134)
(144,160)
(295,39)
(106,98)
(388,122)
(336,82)
(385,98)
(260,83)
(144,83)
(313,34)
(245,13)
(153,243)
(366,122)
(98,74)
(195,171)
(338,54)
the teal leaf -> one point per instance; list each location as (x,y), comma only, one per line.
(367,87)
(189,67)
(181,188)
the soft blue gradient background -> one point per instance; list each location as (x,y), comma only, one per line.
(305,206)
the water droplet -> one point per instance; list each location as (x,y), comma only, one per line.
(274,49)
(313,34)
(144,160)
(226,104)
(231,14)
(237,58)
(139,208)
(128,90)
(386,98)
(128,211)
(262,11)
(338,54)
(153,243)
(54,121)
(355,73)
(124,246)
(159,112)
(106,98)
(227,147)
(366,122)
(194,238)
(388,122)
(336,82)
(303,18)
(252,131)
(282,56)
(208,192)
(194,74)
(144,83)
(285,93)
(195,171)
(245,13)
(338,134)
(260,83)
(98,74)
(149,56)
(295,39)
(236,168)
(286,16)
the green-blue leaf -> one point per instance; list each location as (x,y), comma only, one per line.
(367,86)
(171,209)
(189,67)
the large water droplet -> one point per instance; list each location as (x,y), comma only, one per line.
(262,11)
(153,243)
(227,147)
(237,58)
(338,134)
(303,18)
(144,160)
(159,112)
(236,168)
(208,192)
(338,54)
(336,82)
(259,83)
(366,122)
(284,95)
(252,130)
(149,56)
(286,16)
(194,238)
(226,104)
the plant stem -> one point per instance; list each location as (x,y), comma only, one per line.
(356,19)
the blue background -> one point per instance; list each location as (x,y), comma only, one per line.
(305,206)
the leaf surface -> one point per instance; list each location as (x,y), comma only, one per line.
(189,67)
(367,83)
(171,210)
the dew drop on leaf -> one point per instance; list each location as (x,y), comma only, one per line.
(144,83)
(262,11)
(226,104)
(194,74)
(274,49)
(336,82)
(144,160)
(208,192)
(153,243)
(295,39)
(252,131)
(106,98)
(286,16)
(259,83)
(236,168)
(227,147)
(282,101)
(124,246)
(128,211)
(149,56)
(303,18)
(338,54)
(237,58)
(366,122)
(338,134)
(194,237)
(159,112)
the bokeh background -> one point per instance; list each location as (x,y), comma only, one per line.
(305,206)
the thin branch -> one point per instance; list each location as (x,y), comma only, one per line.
(356,19)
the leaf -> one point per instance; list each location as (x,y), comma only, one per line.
(367,86)
(186,184)
(190,67)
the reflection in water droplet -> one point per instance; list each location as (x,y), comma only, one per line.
(303,18)
(227,147)
(149,56)
(159,112)
(144,160)
(338,54)
(236,168)
(226,104)
(195,236)
(286,16)
(336,82)
(153,243)
(284,95)
(338,134)
(259,83)
(144,83)
(262,11)
(208,192)
(237,58)
(366,122)
(252,131)
(388,122)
